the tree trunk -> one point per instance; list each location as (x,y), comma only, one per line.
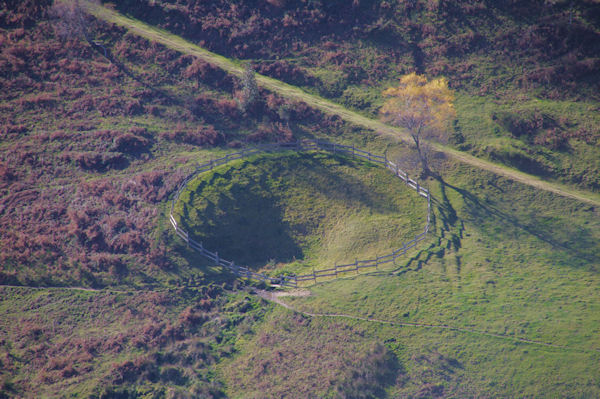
(422,155)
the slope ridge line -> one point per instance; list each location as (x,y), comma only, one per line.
(292,92)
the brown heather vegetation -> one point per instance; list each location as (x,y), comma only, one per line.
(78,201)
(435,37)
(169,337)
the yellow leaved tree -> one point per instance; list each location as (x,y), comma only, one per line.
(423,107)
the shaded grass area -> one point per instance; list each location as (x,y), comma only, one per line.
(307,209)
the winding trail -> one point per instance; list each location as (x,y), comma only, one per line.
(294,93)
(273,297)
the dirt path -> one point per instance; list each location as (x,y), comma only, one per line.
(179,44)
(275,297)
(57,288)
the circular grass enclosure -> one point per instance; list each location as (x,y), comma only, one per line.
(297,210)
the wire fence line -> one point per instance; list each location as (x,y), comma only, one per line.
(292,280)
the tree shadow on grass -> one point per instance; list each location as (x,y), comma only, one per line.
(573,239)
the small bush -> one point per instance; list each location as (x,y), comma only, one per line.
(130,143)
(96,161)
(206,135)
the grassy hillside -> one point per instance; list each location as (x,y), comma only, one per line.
(508,266)
(526,73)
(500,301)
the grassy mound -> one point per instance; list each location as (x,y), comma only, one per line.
(301,209)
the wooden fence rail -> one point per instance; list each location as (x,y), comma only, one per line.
(305,145)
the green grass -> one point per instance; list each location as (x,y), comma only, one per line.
(505,258)
(303,210)
(574,161)
(329,359)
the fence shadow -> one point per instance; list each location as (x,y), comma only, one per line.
(581,245)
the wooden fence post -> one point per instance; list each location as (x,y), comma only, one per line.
(314,275)
(335,269)
(217,256)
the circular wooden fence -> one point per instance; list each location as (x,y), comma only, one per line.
(305,145)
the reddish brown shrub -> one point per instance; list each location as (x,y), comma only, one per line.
(228,108)
(158,257)
(107,262)
(149,186)
(84,104)
(6,175)
(285,71)
(133,107)
(117,199)
(10,129)
(129,143)
(94,238)
(272,132)
(204,135)
(129,242)
(79,221)
(95,161)
(553,139)
(42,100)
(128,371)
(139,131)
(190,317)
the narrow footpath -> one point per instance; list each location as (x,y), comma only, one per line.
(275,297)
